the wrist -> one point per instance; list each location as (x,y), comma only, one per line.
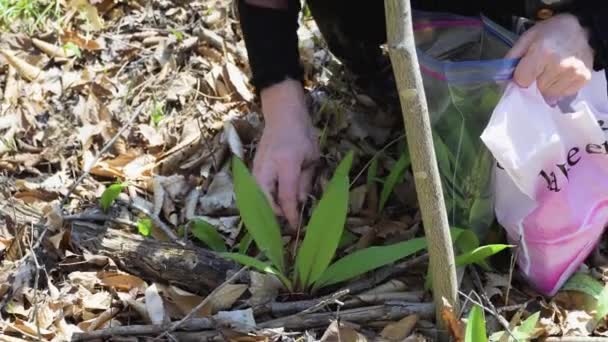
(284,103)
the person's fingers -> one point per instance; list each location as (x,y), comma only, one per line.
(522,45)
(548,77)
(529,68)
(266,176)
(289,177)
(305,183)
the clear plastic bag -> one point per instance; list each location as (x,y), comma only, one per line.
(464,75)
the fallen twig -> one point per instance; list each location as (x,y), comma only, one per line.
(382,274)
(363,314)
(194,324)
(576,339)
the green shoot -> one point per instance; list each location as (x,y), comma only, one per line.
(144,226)
(111,194)
(393,178)
(73,49)
(158,113)
(179,36)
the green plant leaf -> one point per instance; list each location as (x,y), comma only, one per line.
(523,332)
(325,227)
(476,326)
(479,254)
(527,327)
(258,265)
(179,36)
(602,304)
(110,194)
(347,239)
(372,171)
(368,259)
(466,241)
(257,214)
(208,234)
(72,48)
(393,179)
(245,243)
(144,226)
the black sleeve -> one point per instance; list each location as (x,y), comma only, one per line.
(272,42)
(593,14)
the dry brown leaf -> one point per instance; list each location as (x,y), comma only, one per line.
(398,331)
(185,301)
(220,194)
(89,11)
(28,329)
(392,285)
(238,80)
(97,301)
(226,297)
(342,333)
(88,280)
(264,288)
(234,141)
(453,324)
(121,281)
(153,137)
(25,69)
(83,43)
(51,49)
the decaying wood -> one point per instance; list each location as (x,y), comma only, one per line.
(420,143)
(195,269)
(363,314)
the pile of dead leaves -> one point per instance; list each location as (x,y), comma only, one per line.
(155,95)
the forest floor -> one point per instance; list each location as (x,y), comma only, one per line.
(155,95)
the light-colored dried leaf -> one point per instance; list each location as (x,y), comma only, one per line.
(233,139)
(264,288)
(238,80)
(154,305)
(342,332)
(24,69)
(226,297)
(51,49)
(398,331)
(98,301)
(220,194)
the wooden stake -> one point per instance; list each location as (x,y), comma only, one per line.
(402,52)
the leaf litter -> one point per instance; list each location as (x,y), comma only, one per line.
(69,87)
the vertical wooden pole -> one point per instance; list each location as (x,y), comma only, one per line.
(402,50)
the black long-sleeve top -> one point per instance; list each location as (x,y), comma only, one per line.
(354,29)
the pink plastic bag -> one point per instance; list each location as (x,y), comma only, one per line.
(551,177)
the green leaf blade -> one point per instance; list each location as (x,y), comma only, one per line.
(476,326)
(258,265)
(257,214)
(479,254)
(144,226)
(325,227)
(602,304)
(110,195)
(206,233)
(368,259)
(393,178)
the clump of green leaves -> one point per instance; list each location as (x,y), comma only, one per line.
(394,177)
(110,195)
(313,267)
(158,113)
(29,13)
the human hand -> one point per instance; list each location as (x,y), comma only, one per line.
(556,54)
(288,150)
